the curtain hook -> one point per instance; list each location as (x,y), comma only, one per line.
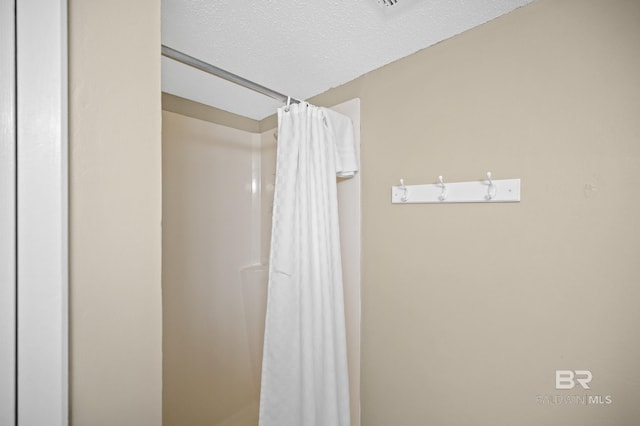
(405,197)
(443,194)
(491,191)
(288,103)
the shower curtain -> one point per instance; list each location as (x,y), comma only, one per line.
(304,370)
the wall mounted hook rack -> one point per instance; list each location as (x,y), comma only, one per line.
(486,190)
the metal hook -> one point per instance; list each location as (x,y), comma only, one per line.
(405,197)
(491,191)
(443,194)
(288,103)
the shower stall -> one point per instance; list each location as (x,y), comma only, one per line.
(218,186)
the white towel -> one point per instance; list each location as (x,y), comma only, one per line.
(341,128)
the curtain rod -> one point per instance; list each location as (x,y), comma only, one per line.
(219,72)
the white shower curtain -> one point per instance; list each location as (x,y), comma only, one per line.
(304,369)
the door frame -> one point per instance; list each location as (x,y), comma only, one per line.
(7,213)
(41,212)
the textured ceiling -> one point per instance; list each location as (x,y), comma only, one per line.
(301,48)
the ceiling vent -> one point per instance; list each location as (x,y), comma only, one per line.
(387,2)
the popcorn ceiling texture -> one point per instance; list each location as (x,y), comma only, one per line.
(302,48)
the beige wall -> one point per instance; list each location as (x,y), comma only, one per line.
(115,213)
(468,310)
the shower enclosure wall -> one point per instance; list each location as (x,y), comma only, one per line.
(217,200)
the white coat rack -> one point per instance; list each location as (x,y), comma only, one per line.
(480,191)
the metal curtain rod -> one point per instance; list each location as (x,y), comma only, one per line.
(219,72)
